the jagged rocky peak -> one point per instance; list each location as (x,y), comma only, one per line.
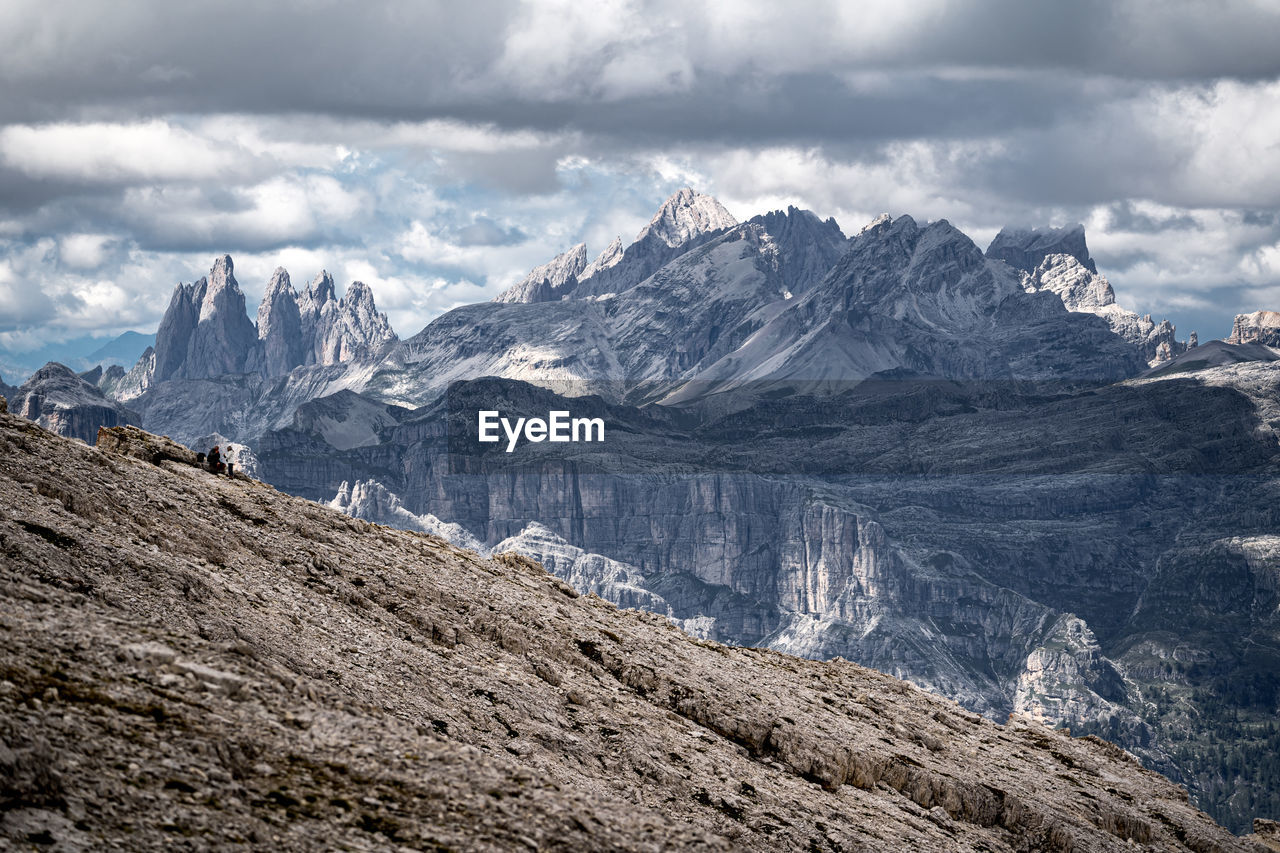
(366,328)
(880,221)
(606,259)
(174,335)
(1260,327)
(686,215)
(205,331)
(1025,248)
(319,293)
(280,326)
(897,259)
(1080,288)
(806,246)
(337,330)
(549,281)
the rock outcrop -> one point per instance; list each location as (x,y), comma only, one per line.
(610,257)
(280,326)
(60,401)
(205,657)
(1026,248)
(551,280)
(1260,327)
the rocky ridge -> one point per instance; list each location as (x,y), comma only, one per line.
(206,334)
(60,401)
(201,658)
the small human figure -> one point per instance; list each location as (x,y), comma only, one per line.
(215,461)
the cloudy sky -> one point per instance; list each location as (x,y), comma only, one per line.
(438,150)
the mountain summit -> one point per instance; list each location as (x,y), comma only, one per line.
(685,215)
(685,220)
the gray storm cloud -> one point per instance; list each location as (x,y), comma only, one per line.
(443,148)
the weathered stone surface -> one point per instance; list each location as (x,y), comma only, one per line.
(280,326)
(139,444)
(1087,291)
(1260,327)
(550,280)
(197,656)
(1026,248)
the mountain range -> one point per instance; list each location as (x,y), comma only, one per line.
(969,469)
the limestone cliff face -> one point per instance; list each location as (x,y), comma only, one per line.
(247,665)
(62,402)
(1260,327)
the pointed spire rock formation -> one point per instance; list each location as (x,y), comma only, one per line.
(280,326)
(606,259)
(224,337)
(205,332)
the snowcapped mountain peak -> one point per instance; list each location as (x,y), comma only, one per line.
(549,281)
(685,215)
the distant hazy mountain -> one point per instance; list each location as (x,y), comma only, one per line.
(78,353)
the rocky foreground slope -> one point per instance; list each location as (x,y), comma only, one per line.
(198,662)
